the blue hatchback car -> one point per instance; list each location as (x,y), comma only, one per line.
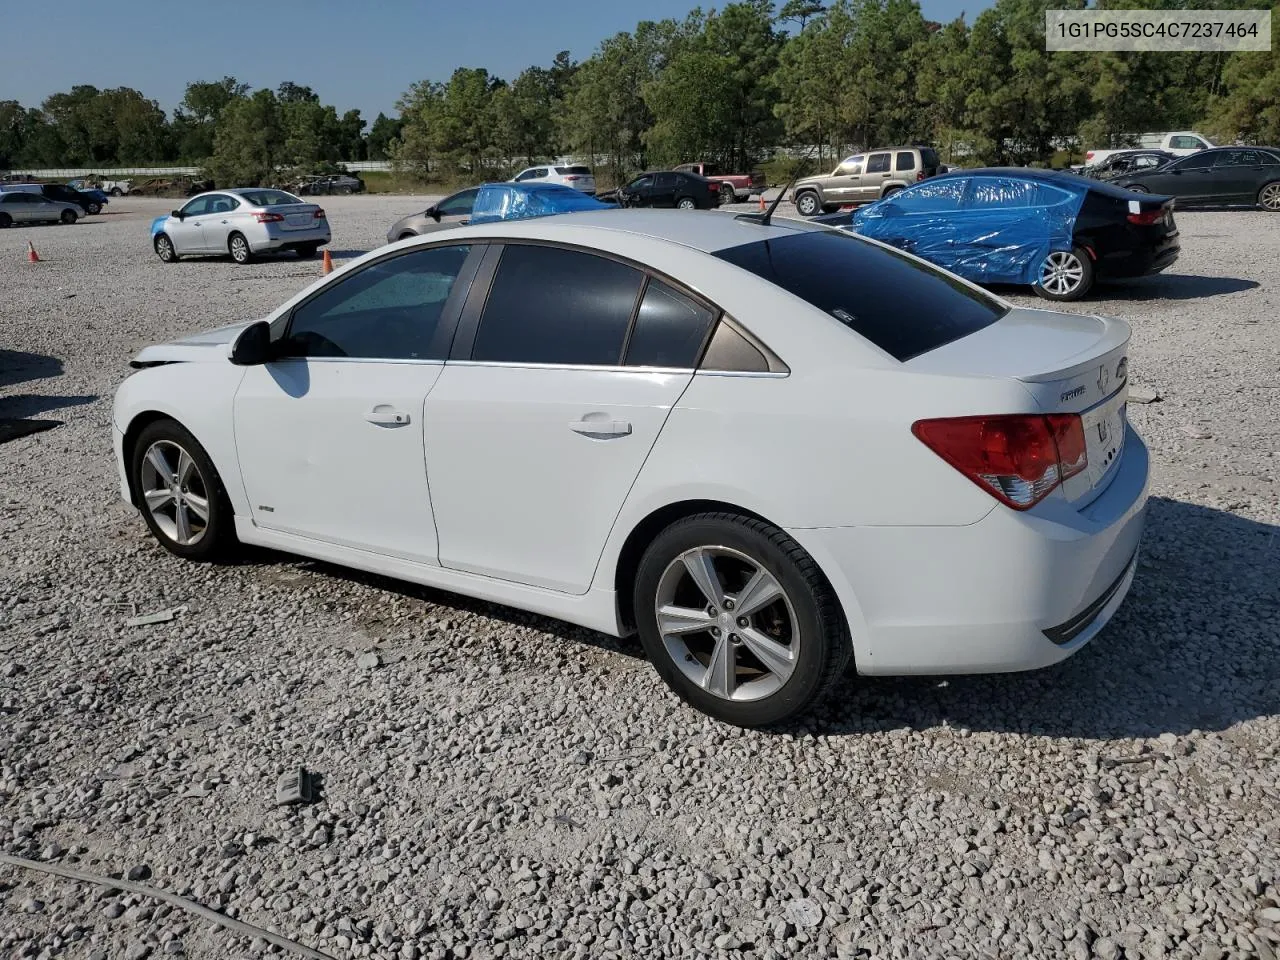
(1057,232)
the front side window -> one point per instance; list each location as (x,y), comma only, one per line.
(459,205)
(197,207)
(850,167)
(878,163)
(669,330)
(550,305)
(1199,161)
(1145,163)
(643,183)
(930,197)
(390,310)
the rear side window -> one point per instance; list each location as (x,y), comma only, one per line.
(905,161)
(270,198)
(878,163)
(670,329)
(901,305)
(1197,161)
(549,305)
(579,171)
(668,180)
(986,193)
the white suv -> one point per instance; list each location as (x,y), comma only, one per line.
(579,178)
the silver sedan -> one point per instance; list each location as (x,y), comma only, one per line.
(452,211)
(242,222)
(22,207)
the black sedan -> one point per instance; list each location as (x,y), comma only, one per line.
(1221,175)
(1124,162)
(687,191)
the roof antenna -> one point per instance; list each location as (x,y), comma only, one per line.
(765,218)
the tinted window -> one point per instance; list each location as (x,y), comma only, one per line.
(641,184)
(579,171)
(670,329)
(387,311)
(1197,161)
(197,207)
(905,161)
(930,197)
(459,205)
(878,163)
(665,181)
(904,307)
(549,305)
(269,198)
(1242,158)
(929,158)
(1186,143)
(1000,192)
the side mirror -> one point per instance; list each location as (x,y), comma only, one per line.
(253,346)
(178,213)
(433,213)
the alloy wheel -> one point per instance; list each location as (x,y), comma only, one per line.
(164,249)
(1061,273)
(239,249)
(1270,197)
(175,493)
(807,205)
(686,204)
(727,623)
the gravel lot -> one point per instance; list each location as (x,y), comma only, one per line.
(504,785)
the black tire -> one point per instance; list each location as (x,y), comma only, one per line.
(1137,188)
(1072,280)
(307,250)
(890,192)
(93,209)
(164,249)
(824,648)
(239,248)
(117,192)
(686,203)
(68,217)
(6,221)
(808,204)
(727,194)
(1269,197)
(218,536)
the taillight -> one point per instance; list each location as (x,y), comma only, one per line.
(572,179)
(1089,155)
(319,214)
(1148,219)
(1019,459)
(268,217)
(919,175)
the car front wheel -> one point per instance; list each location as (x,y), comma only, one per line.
(808,205)
(69,216)
(738,620)
(164,249)
(1065,275)
(93,209)
(180,493)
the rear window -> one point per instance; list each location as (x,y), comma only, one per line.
(928,158)
(269,198)
(580,171)
(904,307)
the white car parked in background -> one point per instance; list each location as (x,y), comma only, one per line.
(580,178)
(768,448)
(242,222)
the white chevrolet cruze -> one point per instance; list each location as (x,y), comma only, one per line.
(768,448)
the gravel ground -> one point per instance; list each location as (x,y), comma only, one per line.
(503,785)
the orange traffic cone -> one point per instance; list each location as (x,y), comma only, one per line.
(762,206)
(32,256)
(328,263)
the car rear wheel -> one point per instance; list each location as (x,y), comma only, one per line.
(808,205)
(93,209)
(180,493)
(890,192)
(164,249)
(1065,275)
(686,203)
(117,192)
(727,194)
(738,620)
(1269,197)
(239,248)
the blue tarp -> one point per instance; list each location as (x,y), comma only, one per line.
(519,201)
(986,226)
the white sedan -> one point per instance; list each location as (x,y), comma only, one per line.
(766,448)
(242,223)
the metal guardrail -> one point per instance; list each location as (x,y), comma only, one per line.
(120,173)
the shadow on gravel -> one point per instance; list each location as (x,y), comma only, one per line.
(29,405)
(1175,286)
(17,366)
(1196,645)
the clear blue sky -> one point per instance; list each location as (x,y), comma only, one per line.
(353,54)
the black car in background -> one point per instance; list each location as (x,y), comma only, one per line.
(1219,175)
(65,194)
(666,188)
(1124,162)
(339,183)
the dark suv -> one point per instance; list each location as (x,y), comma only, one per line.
(64,194)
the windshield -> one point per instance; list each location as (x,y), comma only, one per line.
(269,198)
(903,306)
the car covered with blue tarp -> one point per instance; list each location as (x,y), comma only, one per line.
(1057,232)
(520,201)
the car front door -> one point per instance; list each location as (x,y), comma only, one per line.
(562,376)
(330,435)
(639,192)
(187,231)
(843,184)
(1187,179)
(920,220)
(874,177)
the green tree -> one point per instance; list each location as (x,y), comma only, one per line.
(809,82)
(249,146)
(941,83)
(196,118)
(800,12)
(524,116)
(382,134)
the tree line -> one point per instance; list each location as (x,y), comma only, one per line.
(727,86)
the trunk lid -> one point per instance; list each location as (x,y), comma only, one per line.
(1069,363)
(297,216)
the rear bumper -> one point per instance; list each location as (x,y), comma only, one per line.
(1138,262)
(1011,592)
(274,238)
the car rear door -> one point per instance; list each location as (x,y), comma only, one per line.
(221,220)
(664,189)
(564,369)
(1238,174)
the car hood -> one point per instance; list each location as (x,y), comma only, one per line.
(207,347)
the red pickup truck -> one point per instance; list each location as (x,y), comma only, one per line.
(734,187)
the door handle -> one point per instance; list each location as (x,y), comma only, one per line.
(601,428)
(384,416)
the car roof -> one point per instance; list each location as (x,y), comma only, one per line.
(1067,181)
(708,231)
